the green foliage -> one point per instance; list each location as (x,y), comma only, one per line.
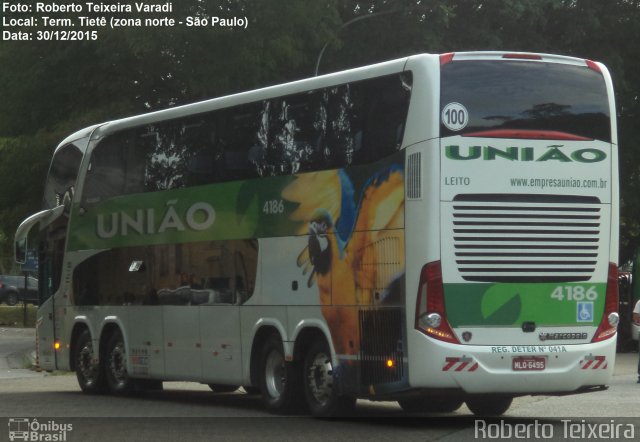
(14,316)
(51,89)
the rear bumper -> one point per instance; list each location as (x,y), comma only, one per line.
(489,369)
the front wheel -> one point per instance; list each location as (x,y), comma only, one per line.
(116,366)
(489,405)
(321,396)
(89,372)
(280,384)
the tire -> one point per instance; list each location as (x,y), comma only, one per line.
(280,381)
(115,366)
(322,399)
(89,371)
(489,405)
(12,298)
(431,404)
(219,388)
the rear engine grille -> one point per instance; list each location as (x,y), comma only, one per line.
(526,238)
(380,342)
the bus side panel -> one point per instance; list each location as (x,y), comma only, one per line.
(221,344)
(146,341)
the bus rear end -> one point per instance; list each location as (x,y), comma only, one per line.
(523,299)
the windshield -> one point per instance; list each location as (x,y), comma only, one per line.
(525,95)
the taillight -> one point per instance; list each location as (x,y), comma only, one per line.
(609,322)
(431,318)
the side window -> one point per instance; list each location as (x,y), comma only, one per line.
(385,113)
(241,146)
(334,127)
(206,273)
(116,168)
(62,175)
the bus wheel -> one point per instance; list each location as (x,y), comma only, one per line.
(489,405)
(431,404)
(219,388)
(88,370)
(279,380)
(322,398)
(116,366)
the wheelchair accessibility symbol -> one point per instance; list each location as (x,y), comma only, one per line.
(584,312)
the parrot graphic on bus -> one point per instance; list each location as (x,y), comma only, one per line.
(348,232)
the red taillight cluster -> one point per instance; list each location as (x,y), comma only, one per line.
(609,322)
(431,318)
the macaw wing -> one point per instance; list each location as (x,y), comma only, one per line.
(376,248)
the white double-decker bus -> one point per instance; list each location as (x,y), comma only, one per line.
(432,230)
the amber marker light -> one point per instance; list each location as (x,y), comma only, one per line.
(56,345)
(390,363)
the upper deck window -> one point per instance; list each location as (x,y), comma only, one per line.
(338,126)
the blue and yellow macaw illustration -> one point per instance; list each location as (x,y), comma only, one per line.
(355,252)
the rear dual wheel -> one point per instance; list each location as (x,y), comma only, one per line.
(320,393)
(288,386)
(280,381)
(115,359)
(89,372)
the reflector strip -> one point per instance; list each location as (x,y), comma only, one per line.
(460,364)
(594,363)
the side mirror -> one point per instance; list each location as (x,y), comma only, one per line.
(46,217)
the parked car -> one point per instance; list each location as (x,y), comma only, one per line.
(12,289)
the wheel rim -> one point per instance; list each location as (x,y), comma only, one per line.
(13,299)
(87,365)
(275,374)
(117,363)
(320,378)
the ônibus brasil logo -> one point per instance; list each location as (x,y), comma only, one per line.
(32,430)
(515,153)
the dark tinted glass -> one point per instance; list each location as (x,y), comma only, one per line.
(62,175)
(174,274)
(527,95)
(334,127)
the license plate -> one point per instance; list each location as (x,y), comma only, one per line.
(528,363)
